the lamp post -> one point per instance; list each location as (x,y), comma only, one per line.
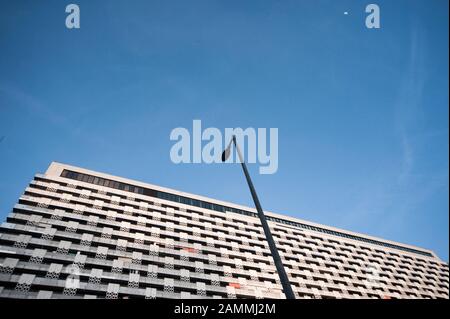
(287,289)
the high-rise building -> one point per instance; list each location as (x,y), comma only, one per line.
(76,233)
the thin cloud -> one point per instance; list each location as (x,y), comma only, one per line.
(36,108)
(387,199)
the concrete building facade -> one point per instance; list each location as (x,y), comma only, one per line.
(76,233)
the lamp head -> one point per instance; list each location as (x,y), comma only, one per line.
(227,151)
(225,154)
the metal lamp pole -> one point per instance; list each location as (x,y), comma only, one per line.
(287,289)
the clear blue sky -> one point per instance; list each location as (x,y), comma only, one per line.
(362,114)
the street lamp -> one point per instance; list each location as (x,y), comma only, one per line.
(287,289)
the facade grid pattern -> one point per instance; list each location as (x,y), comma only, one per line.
(70,238)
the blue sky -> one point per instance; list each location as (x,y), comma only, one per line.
(362,114)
